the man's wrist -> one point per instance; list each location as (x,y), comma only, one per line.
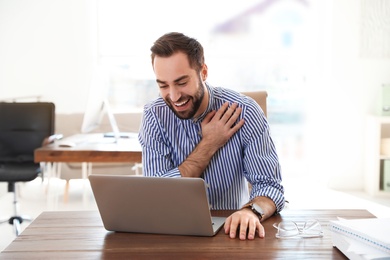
(256,209)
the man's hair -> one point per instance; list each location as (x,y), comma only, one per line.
(174,42)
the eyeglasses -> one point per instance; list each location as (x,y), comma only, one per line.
(298,229)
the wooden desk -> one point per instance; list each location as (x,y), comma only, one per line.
(80,235)
(90,148)
(95,149)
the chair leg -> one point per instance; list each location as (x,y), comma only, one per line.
(16,224)
(16,220)
(4,220)
(66,192)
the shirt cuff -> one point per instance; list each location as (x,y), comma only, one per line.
(174,173)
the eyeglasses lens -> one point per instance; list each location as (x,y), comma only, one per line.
(290,229)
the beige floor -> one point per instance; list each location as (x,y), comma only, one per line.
(35,197)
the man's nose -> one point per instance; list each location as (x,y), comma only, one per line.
(175,94)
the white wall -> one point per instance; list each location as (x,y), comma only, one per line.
(45,51)
(355,92)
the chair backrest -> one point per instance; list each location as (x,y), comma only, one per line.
(23,127)
(260,97)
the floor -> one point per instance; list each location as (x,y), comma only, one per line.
(38,196)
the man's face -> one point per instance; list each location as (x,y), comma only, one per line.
(181,87)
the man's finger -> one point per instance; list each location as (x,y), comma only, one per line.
(261,230)
(222,110)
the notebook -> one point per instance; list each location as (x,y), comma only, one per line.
(140,204)
(362,238)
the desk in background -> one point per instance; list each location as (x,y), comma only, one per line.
(81,235)
(95,148)
(89,148)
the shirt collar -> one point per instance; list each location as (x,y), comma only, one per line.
(210,104)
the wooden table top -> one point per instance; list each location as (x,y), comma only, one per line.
(81,235)
(99,150)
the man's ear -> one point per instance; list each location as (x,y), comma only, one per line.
(204,72)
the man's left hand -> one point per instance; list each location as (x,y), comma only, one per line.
(246,223)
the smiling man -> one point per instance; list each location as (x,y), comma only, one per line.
(196,130)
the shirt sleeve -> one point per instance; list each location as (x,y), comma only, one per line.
(156,160)
(261,163)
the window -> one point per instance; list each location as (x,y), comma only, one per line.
(248,45)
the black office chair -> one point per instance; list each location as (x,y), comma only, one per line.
(23,128)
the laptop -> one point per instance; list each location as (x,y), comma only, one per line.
(177,206)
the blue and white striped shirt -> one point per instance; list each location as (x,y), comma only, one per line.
(249,155)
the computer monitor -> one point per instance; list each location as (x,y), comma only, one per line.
(98,106)
(97,96)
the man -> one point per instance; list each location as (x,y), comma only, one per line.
(196,130)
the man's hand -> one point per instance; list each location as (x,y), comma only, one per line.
(219,126)
(246,223)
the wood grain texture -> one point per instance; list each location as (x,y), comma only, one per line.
(81,235)
(126,150)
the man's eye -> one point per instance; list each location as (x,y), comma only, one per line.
(182,83)
(163,86)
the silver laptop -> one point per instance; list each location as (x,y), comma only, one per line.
(141,204)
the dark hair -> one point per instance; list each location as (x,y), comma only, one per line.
(174,42)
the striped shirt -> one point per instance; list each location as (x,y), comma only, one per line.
(249,155)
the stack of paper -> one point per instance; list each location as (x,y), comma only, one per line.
(362,238)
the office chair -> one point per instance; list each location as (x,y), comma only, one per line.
(260,97)
(23,128)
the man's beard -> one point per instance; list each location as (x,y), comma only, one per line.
(196,102)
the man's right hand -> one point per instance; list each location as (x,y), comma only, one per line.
(219,126)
